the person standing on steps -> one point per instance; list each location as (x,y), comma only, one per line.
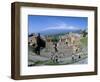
(55,47)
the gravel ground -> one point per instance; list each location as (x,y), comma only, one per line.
(83,61)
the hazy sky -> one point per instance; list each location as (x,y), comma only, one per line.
(43,23)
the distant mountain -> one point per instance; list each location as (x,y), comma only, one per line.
(57,31)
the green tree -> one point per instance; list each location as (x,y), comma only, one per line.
(84,33)
(55,39)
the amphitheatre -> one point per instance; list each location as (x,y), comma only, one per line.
(63,49)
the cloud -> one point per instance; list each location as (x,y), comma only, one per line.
(62,26)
